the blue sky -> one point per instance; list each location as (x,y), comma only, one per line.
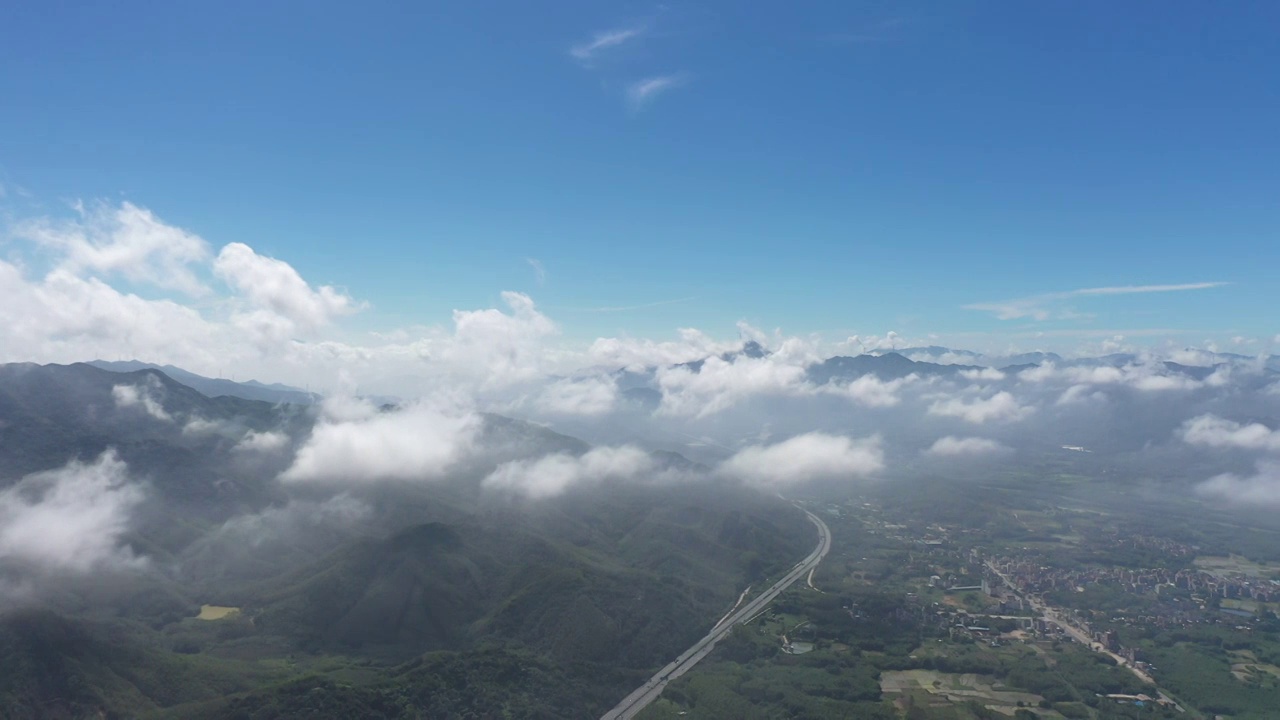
(832,167)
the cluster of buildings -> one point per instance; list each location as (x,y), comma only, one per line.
(1162,545)
(1202,583)
(1029,576)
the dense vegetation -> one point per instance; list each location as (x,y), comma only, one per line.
(440,599)
(437,600)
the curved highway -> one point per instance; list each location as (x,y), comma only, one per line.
(632,704)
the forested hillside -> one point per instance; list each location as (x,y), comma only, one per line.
(437,598)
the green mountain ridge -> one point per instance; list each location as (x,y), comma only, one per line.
(443,600)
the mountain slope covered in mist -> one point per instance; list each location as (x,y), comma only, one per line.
(421,586)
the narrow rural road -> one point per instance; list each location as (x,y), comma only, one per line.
(1052,615)
(647,693)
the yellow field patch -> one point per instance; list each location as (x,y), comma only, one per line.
(955,687)
(216,612)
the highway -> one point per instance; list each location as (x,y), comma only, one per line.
(632,704)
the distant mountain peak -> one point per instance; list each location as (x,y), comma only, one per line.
(887,366)
(215,387)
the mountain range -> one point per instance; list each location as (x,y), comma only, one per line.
(435,594)
(216,387)
(639,387)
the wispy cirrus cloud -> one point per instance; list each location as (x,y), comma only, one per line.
(872,32)
(642,92)
(627,308)
(587,51)
(539,271)
(1048,305)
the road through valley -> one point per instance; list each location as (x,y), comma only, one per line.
(647,693)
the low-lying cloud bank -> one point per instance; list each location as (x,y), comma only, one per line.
(804,458)
(1259,490)
(262,442)
(356,443)
(115,280)
(592,396)
(207,308)
(554,474)
(719,384)
(1213,431)
(951,446)
(73,519)
(1000,407)
(293,519)
(144,397)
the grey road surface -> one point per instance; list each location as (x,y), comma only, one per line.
(632,704)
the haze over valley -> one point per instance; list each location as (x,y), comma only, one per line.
(715,361)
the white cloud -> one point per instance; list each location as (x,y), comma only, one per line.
(128,241)
(262,329)
(1001,407)
(643,92)
(584,396)
(1194,356)
(1080,394)
(200,426)
(1159,383)
(1140,289)
(720,384)
(977,374)
(127,396)
(265,320)
(871,391)
(65,318)
(262,442)
(496,348)
(1213,431)
(274,286)
(421,441)
(946,358)
(1113,344)
(1260,490)
(952,446)
(1147,376)
(71,519)
(638,354)
(1219,377)
(602,41)
(813,456)
(71,315)
(554,474)
(285,521)
(1046,306)
(861,344)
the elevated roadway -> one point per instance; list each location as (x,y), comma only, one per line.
(639,698)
